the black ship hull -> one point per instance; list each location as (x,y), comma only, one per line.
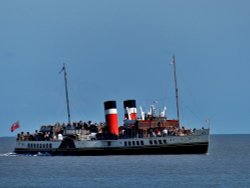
(194,148)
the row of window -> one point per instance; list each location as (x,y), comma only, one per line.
(157,141)
(138,143)
(126,143)
(40,146)
(134,143)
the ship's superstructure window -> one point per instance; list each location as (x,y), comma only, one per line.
(134,143)
(109,143)
(155,141)
(41,146)
(164,141)
(160,141)
(151,142)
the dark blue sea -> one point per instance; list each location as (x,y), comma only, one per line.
(226,165)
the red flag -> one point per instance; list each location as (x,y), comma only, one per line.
(14,126)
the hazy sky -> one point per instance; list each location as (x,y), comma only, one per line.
(118,50)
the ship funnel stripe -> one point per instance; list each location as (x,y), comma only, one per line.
(109,105)
(111,111)
(129,103)
(131,110)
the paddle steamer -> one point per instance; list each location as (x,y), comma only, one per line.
(144,134)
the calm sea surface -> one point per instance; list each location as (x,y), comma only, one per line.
(226,165)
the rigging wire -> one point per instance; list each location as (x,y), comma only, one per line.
(197,114)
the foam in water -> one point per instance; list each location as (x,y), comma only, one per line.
(32,155)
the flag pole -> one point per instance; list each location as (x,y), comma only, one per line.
(66,91)
(176,90)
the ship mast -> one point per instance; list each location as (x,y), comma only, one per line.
(66,91)
(176,90)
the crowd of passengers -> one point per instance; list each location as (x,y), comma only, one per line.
(154,132)
(55,132)
(173,131)
(98,131)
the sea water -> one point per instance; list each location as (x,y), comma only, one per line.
(226,165)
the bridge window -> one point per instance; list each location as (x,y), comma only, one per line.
(125,143)
(164,141)
(151,142)
(155,141)
(160,142)
(137,142)
(142,143)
